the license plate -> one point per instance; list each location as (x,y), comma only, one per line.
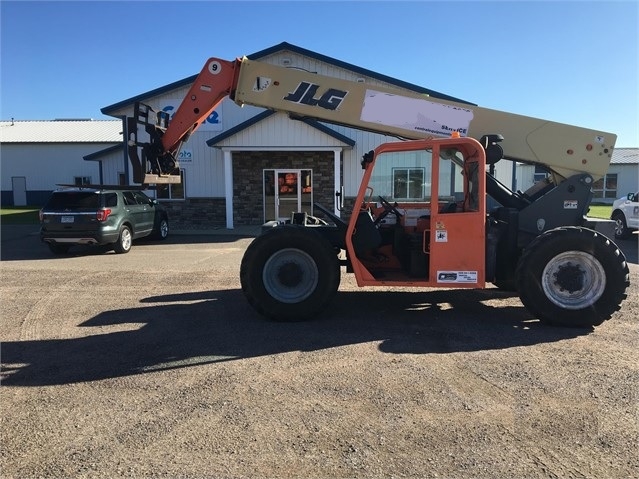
(67,219)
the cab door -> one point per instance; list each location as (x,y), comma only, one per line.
(457,237)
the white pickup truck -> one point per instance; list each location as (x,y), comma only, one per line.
(625,213)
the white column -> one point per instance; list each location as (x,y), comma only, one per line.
(336,171)
(228,187)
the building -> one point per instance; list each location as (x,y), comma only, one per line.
(38,155)
(622,177)
(246,165)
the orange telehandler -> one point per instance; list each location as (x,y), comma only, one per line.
(420,216)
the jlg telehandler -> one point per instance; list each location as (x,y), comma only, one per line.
(420,217)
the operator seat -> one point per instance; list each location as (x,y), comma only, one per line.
(367,236)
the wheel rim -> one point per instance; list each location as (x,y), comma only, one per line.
(164,229)
(574,280)
(290,275)
(125,240)
(619,226)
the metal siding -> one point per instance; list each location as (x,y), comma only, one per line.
(627,179)
(280,131)
(46,165)
(112,164)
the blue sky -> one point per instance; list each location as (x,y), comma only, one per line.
(572,62)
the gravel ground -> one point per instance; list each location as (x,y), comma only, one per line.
(151,364)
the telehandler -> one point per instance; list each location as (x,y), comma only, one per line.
(420,216)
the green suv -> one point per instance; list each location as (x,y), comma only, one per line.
(100,216)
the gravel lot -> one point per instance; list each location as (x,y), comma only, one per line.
(151,364)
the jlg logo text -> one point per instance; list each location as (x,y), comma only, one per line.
(305,94)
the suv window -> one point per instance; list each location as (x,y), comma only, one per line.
(129,199)
(110,200)
(141,198)
(73,201)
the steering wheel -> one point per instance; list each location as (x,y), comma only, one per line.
(388,209)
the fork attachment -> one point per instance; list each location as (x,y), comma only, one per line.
(151,163)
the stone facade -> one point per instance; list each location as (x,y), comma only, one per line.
(196,213)
(248,169)
(248,166)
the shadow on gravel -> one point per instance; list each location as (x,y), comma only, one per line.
(22,243)
(182,330)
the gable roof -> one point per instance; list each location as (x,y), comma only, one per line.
(625,156)
(61,131)
(265,114)
(285,46)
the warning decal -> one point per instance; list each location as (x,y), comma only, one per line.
(456,276)
(441,236)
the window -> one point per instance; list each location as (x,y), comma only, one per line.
(172,191)
(110,200)
(121,179)
(81,180)
(605,187)
(76,200)
(129,199)
(408,183)
(141,198)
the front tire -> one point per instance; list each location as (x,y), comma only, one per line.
(124,242)
(572,277)
(290,273)
(161,231)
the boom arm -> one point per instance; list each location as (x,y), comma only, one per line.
(565,150)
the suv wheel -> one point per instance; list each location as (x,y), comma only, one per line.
(161,229)
(124,242)
(621,228)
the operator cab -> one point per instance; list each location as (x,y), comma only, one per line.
(423,212)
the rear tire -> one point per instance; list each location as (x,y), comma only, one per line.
(124,242)
(290,273)
(572,277)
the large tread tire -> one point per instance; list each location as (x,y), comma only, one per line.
(572,277)
(290,273)
(509,285)
(124,242)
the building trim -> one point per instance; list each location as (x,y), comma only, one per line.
(265,114)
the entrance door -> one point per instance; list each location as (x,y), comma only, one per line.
(286,192)
(19,186)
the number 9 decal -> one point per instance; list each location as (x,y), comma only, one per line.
(215,67)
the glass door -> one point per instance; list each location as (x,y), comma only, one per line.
(286,192)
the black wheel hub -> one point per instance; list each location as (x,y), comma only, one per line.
(570,277)
(290,274)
